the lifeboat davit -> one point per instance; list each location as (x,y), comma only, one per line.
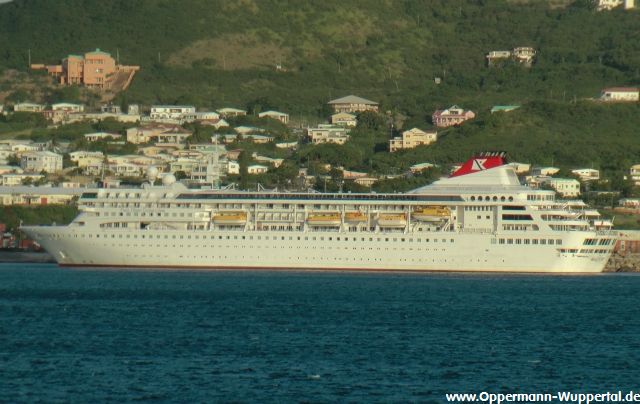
(431,214)
(392,220)
(324,219)
(230,218)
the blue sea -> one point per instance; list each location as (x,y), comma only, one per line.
(76,335)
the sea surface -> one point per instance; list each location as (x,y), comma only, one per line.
(81,335)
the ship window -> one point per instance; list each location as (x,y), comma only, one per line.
(511,199)
(502,198)
(501,241)
(518,241)
(527,241)
(509,241)
(452,240)
(543,241)
(551,241)
(473,198)
(495,198)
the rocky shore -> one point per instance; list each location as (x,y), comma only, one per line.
(623,263)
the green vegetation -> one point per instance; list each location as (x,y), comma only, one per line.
(31,215)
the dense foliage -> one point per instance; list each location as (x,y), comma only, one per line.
(12,216)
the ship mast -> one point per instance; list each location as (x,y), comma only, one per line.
(213,166)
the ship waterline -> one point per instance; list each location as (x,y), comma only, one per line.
(483,220)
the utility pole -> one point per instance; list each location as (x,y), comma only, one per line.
(29,53)
(118,55)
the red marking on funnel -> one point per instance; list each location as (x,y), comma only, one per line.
(481,162)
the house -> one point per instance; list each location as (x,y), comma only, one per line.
(96,69)
(144,134)
(520,168)
(171,112)
(28,107)
(39,161)
(412,138)
(67,107)
(78,156)
(8,169)
(328,134)
(634,172)
(257,169)
(12,180)
(280,116)
(418,168)
(263,159)
(587,174)
(230,138)
(566,187)
(94,137)
(217,124)
(366,181)
(633,203)
(287,145)
(233,168)
(620,94)
(523,55)
(353,103)
(231,112)
(611,4)
(111,109)
(344,119)
(544,171)
(451,116)
(207,116)
(504,108)
(351,175)
(243,130)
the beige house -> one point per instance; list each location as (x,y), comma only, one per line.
(280,116)
(24,195)
(634,172)
(353,103)
(412,138)
(148,133)
(328,134)
(344,119)
(611,4)
(566,187)
(620,94)
(12,180)
(257,169)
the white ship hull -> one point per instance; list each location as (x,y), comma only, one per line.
(317,250)
(492,223)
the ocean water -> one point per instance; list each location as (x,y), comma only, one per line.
(73,335)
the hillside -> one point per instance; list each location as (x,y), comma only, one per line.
(224,53)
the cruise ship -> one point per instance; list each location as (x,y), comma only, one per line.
(479,219)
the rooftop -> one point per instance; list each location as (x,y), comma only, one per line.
(352,99)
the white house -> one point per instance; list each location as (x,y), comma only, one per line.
(28,107)
(257,169)
(587,174)
(620,94)
(12,180)
(544,171)
(94,137)
(171,112)
(67,107)
(36,162)
(231,112)
(280,116)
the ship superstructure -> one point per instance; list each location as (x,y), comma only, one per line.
(480,219)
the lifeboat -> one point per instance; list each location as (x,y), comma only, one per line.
(355,217)
(230,218)
(392,220)
(324,219)
(431,214)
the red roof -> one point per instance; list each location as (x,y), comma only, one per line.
(622,89)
